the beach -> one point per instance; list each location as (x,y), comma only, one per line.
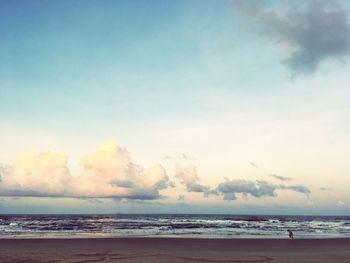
(145,249)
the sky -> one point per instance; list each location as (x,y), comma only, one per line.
(199,106)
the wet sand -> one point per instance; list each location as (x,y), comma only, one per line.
(173,250)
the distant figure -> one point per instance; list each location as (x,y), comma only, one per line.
(291,236)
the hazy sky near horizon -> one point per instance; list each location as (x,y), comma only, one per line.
(175,106)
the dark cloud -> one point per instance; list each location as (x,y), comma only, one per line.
(146,194)
(29,193)
(259,188)
(123,183)
(230,188)
(311,33)
(281,178)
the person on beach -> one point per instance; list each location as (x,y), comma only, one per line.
(291,236)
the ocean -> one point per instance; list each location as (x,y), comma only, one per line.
(172,225)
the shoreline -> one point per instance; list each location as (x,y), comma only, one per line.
(82,237)
(163,249)
(184,239)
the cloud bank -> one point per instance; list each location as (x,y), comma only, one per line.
(310,34)
(107,173)
(110,173)
(259,188)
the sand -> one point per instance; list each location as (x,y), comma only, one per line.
(174,250)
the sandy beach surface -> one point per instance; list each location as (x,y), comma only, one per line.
(173,250)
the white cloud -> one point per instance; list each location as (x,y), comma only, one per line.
(36,174)
(190,179)
(108,172)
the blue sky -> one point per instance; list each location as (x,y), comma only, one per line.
(225,83)
(118,55)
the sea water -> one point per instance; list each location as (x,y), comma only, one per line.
(173,225)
